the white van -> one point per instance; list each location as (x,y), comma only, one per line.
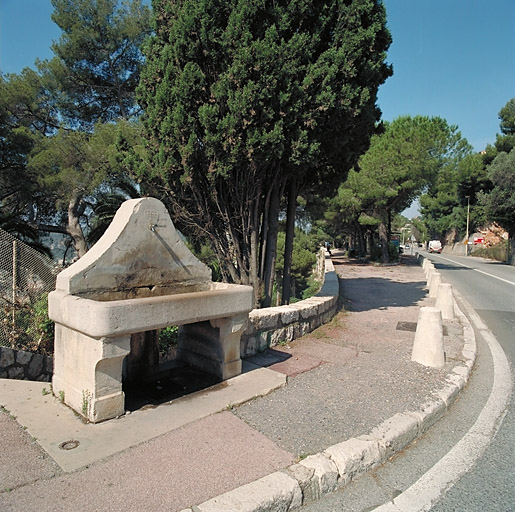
(435,246)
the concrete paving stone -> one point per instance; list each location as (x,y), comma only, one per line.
(184,467)
(22,461)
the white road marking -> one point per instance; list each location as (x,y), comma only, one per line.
(430,487)
(477,270)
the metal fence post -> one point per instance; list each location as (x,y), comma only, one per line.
(15,268)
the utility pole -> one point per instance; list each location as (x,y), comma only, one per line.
(468,221)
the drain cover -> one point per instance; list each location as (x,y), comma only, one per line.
(412,327)
(69,445)
(407,326)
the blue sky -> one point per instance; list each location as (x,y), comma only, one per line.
(452,58)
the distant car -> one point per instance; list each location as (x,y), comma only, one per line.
(435,246)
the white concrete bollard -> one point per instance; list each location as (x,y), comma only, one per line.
(424,264)
(436,280)
(444,301)
(428,344)
(430,276)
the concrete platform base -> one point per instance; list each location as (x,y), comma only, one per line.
(74,444)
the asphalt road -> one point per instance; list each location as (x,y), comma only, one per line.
(488,287)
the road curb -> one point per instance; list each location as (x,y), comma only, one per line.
(336,466)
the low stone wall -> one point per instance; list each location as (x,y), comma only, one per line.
(267,328)
(270,326)
(17,364)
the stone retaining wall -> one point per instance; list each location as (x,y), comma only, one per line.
(17,364)
(270,326)
(267,327)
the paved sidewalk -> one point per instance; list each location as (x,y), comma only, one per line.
(333,386)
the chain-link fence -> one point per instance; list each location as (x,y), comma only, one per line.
(26,277)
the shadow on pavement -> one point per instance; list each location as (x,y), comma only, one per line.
(367,293)
(268,357)
(445,266)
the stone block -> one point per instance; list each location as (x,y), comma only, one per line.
(49,364)
(23,357)
(278,335)
(462,371)
(448,393)
(309,484)
(274,492)
(396,433)
(308,309)
(289,315)
(263,340)
(428,348)
(457,380)
(6,357)
(354,456)
(35,366)
(428,414)
(248,346)
(265,319)
(16,372)
(140,251)
(325,476)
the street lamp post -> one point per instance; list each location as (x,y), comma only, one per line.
(468,221)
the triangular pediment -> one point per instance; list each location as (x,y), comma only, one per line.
(140,255)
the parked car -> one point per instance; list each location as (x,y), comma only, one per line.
(435,246)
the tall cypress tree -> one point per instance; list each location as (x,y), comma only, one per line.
(244,99)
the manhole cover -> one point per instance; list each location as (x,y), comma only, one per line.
(69,445)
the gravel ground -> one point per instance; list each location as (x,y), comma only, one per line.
(22,460)
(344,397)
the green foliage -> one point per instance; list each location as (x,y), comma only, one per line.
(499,203)
(168,339)
(444,206)
(470,182)
(305,248)
(243,97)
(208,256)
(405,159)
(23,120)
(507,117)
(97,58)
(32,331)
(497,252)
(62,152)
(401,163)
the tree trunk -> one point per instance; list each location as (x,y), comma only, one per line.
(254,250)
(271,247)
(383,240)
(288,244)
(370,235)
(75,210)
